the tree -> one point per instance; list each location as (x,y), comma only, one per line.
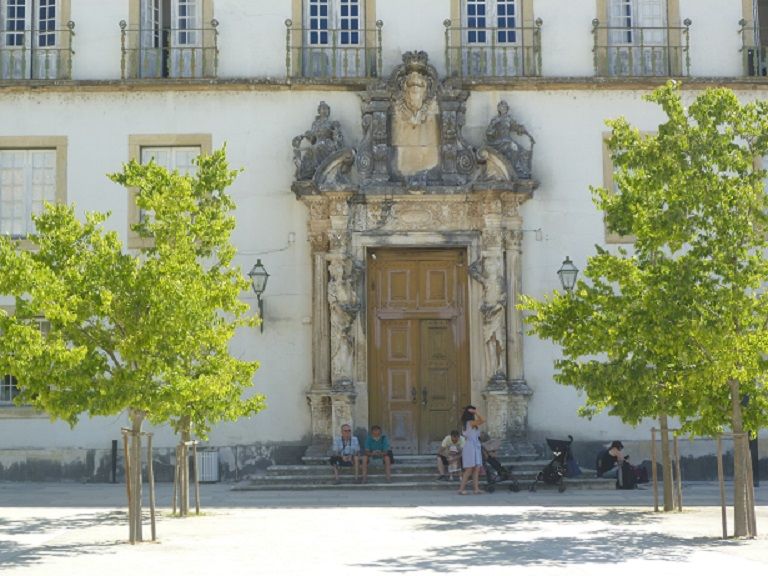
(146,333)
(679,326)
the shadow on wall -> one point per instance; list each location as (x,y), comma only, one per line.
(104,465)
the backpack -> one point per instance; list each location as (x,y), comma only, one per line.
(627,479)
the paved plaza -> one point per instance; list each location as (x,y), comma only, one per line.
(79,529)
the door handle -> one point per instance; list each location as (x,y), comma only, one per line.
(423,396)
(413,394)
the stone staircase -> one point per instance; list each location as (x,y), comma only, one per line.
(408,472)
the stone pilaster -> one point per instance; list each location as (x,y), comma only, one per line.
(493,307)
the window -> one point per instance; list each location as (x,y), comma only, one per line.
(171,39)
(337,38)
(640,38)
(494,38)
(609,183)
(9,388)
(488,18)
(180,158)
(32,172)
(35,39)
(172,151)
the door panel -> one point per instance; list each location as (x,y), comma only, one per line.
(399,370)
(438,381)
(418,355)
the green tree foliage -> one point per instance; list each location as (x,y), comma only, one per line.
(146,332)
(678,325)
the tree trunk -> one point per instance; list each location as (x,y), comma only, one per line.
(666,464)
(740,527)
(137,419)
(183,466)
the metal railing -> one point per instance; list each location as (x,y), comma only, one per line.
(641,51)
(333,52)
(169,52)
(37,54)
(493,52)
(754,48)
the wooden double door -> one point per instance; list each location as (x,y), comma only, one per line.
(417,344)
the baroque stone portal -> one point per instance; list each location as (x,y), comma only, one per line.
(413,180)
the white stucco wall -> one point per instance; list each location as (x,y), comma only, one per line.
(258,123)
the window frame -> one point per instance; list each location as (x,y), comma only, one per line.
(56,35)
(201,36)
(139,142)
(56,143)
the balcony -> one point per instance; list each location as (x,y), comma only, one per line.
(641,51)
(187,53)
(37,54)
(754,50)
(333,53)
(473,52)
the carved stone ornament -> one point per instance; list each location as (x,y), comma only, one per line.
(412,141)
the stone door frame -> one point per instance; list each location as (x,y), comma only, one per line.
(342,229)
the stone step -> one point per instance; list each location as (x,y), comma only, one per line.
(425,467)
(378,483)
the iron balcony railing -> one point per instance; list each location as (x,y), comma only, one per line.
(642,51)
(37,54)
(169,52)
(754,48)
(473,52)
(333,52)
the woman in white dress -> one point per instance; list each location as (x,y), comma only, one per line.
(472,454)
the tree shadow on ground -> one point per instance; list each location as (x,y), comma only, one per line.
(17,553)
(37,525)
(523,520)
(520,542)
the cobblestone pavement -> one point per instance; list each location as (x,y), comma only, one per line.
(81,529)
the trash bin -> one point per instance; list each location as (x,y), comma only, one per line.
(208,460)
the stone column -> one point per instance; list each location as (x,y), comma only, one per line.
(518,391)
(342,308)
(319,395)
(493,308)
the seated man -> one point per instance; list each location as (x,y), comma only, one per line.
(609,461)
(449,456)
(345,452)
(377,446)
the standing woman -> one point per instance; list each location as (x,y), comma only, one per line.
(471,455)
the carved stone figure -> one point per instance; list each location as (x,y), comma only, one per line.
(324,138)
(493,311)
(499,135)
(340,298)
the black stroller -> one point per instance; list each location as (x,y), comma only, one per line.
(496,473)
(555,472)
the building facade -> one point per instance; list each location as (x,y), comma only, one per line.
(408,172)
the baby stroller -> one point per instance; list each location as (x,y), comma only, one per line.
(495,472)
(555,472)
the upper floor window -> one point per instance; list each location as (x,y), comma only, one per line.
(171,39)
(640,38)
(337,39)
(494,38)
(35,39)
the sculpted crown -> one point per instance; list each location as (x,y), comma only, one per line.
(416,62)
